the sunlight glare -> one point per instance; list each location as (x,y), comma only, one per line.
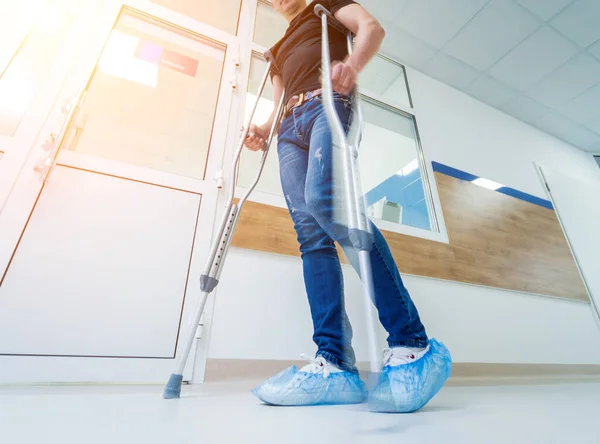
(263,110)
(118,59)
(16,92)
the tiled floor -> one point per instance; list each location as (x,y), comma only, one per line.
(228,413)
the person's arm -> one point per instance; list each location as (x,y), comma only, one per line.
(369,35)
(258,134)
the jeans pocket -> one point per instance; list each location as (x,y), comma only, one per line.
(345,112)
(344,107)
(337,98)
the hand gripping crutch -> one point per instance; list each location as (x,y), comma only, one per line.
(359,228)
(218,252)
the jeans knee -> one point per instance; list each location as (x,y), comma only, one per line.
(315,205)
(321,210)
(320,207)
(316,242)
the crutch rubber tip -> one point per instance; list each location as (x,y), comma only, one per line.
(173,388)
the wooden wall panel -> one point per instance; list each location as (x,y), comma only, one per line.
(266,228)
(495,240)
(508,242)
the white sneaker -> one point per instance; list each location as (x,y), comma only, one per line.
(402,355)
(319,382)
(320,365)
(410,378)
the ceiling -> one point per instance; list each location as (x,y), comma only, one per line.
(537,60)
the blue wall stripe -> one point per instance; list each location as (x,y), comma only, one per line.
(526,197)
(453,172)
(449,171)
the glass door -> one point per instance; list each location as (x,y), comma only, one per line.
(36,40)
(106,229)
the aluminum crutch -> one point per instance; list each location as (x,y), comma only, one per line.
(218,252)
(359,228)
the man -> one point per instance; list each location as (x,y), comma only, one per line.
(414,368)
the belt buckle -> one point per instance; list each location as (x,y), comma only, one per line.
(292,105)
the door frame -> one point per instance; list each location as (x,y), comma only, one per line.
(94,31)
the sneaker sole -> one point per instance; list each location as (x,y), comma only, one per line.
(299,401)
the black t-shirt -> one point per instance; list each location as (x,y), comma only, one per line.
(297,56)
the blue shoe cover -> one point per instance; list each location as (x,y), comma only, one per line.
(293,387)
(406,388)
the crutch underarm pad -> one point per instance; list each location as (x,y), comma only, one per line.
(331,20)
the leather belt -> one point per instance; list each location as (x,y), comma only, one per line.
(297,100)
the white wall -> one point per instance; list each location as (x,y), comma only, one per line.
(467,134)
(578,206)
(261,310)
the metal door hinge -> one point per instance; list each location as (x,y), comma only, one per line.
(236,64)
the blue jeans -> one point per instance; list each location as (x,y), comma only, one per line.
(305,161)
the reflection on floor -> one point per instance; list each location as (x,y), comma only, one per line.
(228,413)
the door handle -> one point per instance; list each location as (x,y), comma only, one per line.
(49,143)
(56,142)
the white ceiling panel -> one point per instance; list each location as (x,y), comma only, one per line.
(384,10)
(405,48)
(537,60)
(575,77)
(545,9)
(594,126)
(450,70)
(536,57)
(585,108)
(494,31)
(595,50)
(490,91)
(524,108)
(557,125)
(583,138)
(437,21)
(580,22)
